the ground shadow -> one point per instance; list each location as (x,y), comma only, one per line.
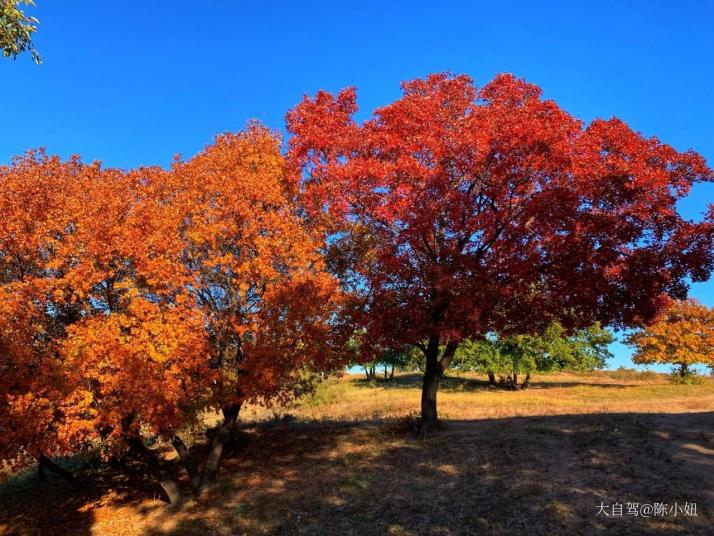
(526,475)
(451,383)
(50,505)
(523,475)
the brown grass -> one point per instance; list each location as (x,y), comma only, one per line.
(344,461)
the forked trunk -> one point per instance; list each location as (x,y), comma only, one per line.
(163,471)
(159,469)
(189,465)
(224,433)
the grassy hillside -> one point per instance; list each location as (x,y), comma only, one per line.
(344,461)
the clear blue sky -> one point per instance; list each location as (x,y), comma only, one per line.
(136,82)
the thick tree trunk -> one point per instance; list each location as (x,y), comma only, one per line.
(188,463)
(491,378)
(159,470)
(163,471)
(430,387)
(433,372)
(683,370)
(224,433)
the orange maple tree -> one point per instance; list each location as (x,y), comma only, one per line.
(255,273)
(92,336)
(38,194)
(132,302)
(683,336)
(457,211)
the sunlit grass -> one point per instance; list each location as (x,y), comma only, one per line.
(467,396)
(344,460)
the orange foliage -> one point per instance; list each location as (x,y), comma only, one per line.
(254,269)
(683,336)
(138,299)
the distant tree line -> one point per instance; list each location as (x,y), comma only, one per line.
(505,359)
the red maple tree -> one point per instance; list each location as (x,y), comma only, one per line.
(456,211)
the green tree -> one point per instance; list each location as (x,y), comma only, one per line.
(16,29)
(388,360)
(554,350)
(400,358)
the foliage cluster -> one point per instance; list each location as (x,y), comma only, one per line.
(16,29)
(553,350)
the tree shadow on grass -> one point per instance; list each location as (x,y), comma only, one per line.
(529,475)
(453,383)
(50,505)
(523,475)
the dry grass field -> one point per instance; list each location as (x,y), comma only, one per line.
(345,461)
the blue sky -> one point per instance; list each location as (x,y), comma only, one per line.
(135,82)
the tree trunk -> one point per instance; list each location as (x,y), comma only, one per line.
(491,378)
(683,370)
(225,432)
(385,371)
(366,372)
(430,387)
(158,469)
(163,471)
(391,374)
(433,372)
(187,461)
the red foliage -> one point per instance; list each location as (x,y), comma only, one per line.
(459,210)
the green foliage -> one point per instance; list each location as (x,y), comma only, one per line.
(16,29)
(401,358)
(690,378)
(553,350)
(373,357)
(683,375)
(388,359)
(506,356)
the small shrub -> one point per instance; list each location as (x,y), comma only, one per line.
(624,373)
(406,424)
(688,378)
